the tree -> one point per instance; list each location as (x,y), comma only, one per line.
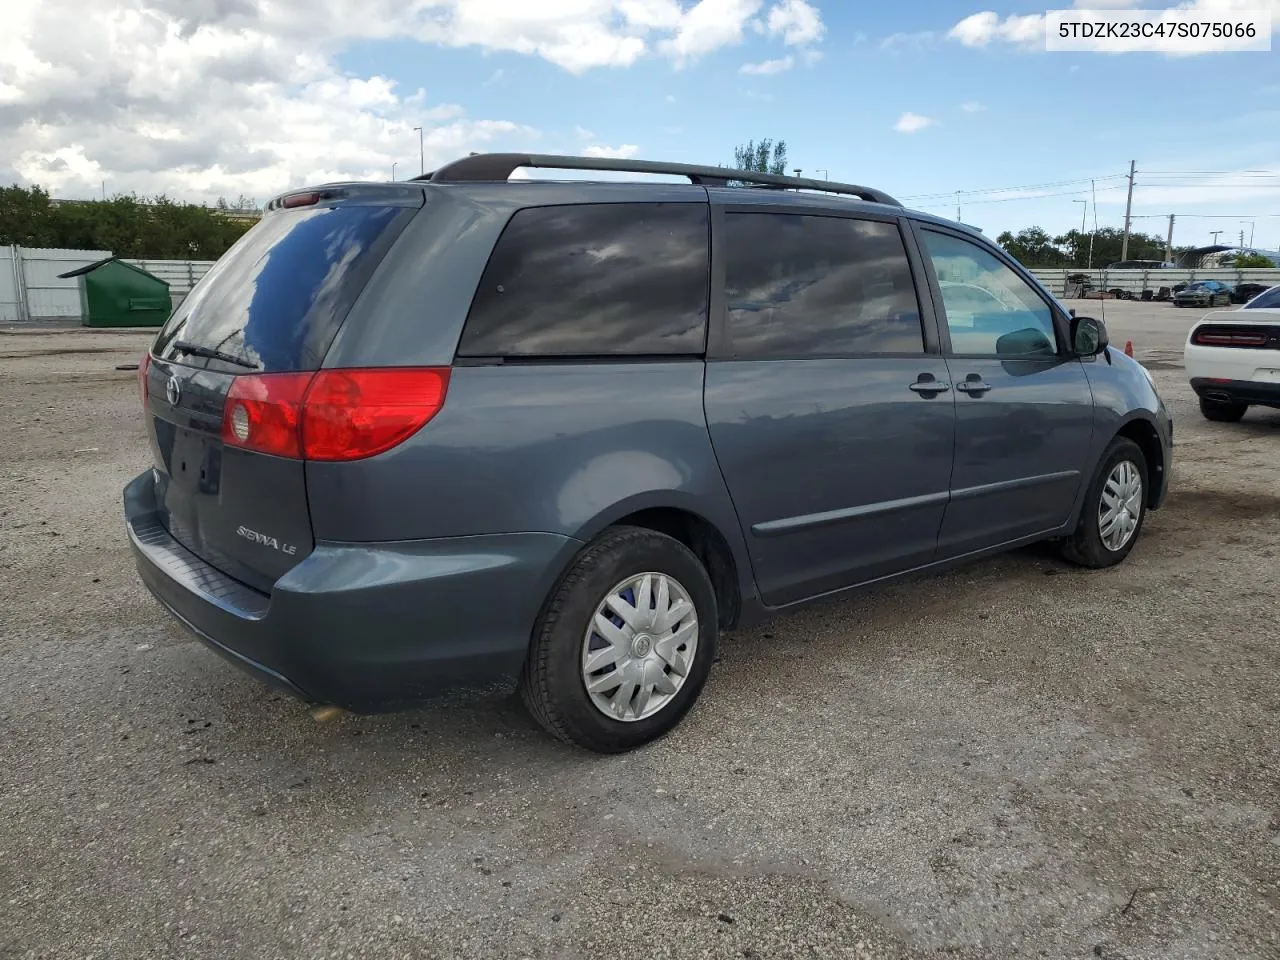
(128,226)
(1032,247)
(763,157)
(1249,259)
(26,218)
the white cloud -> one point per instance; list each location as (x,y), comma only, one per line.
(766,67)
(913,123)
(980,29)
(708,25)
(798,22)
(916,40)
(624,152)
(201,98)
(153,97)
(973,106)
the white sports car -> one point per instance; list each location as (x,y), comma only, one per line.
(1233,359)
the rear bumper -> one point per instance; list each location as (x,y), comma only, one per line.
(1237,391)
(365,626)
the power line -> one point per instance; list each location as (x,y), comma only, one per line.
(1027,186)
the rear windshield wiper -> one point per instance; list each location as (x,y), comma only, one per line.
(198,351)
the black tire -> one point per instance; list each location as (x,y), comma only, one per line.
(552,684)
(1222,411)
(1084,547)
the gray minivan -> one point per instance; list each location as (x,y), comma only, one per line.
(420,435)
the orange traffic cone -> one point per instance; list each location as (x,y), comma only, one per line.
(1128,348)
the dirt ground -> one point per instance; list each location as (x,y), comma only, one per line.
(1016,759)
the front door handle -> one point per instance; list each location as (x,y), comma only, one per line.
(973,385)
(928,386)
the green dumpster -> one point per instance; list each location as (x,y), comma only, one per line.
(118,294)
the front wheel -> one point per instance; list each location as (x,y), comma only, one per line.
(1114,508)
(624,644)
(1222,411)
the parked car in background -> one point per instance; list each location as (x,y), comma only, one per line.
(1233,359)
(418,435)
(1268,299)
(1247,291)
(1202,293)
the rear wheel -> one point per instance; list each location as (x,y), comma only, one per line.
(1114,508)
(1222,411)
(625,643)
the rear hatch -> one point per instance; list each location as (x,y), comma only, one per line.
(262,318)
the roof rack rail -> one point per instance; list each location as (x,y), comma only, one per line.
(500,166)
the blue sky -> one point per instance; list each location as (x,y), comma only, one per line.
(894,96)
(1003,116)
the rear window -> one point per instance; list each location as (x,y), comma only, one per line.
(610,279)
(275,300)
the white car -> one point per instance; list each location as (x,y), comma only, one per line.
(1233,359)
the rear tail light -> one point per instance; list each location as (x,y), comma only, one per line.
(1228,338)
(350,414)
(144,368)
(332,414)
(263,412)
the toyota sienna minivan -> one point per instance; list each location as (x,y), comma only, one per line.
(414,436)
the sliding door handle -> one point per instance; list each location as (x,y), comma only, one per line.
(928,386)
(973,385)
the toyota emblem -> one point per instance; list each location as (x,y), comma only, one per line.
(173,391)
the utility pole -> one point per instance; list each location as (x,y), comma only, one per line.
(1251,227)
(1168,244)
(958,220)
(422,157)
(1084,211)
(1093,185)
(1128,207)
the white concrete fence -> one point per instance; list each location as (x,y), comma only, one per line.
(30,290)
(1135,281)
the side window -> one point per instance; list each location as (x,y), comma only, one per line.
(991,311)
(612,279)
(806,286)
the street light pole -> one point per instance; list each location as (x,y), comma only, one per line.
(825,174)
(393,171)
(422,157)
(1215,234)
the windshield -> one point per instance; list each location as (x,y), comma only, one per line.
(1266,300)
(275,300)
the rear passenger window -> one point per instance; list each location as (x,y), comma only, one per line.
(806,286)
(613,279)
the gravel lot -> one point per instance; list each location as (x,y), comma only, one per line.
(1013,760)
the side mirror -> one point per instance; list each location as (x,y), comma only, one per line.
(1088,336)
